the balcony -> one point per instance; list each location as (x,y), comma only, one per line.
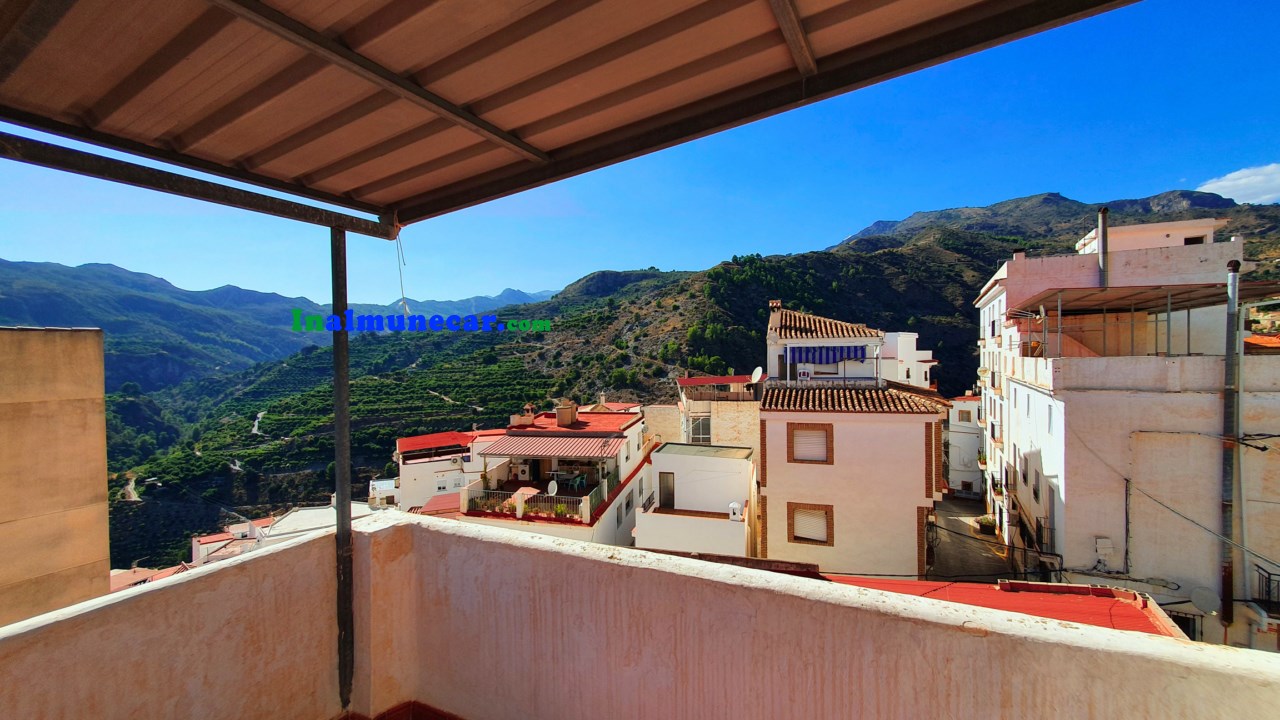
(576,500)
(438,602)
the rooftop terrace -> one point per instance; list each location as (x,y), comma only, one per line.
(442,608)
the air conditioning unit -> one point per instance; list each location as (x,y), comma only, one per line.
(524,472)
(455,461)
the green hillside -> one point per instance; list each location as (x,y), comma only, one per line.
(624,333)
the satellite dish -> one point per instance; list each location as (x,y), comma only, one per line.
(552,487)
(983,372)
(757,374)
(1206,600)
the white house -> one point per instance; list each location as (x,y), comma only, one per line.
(437,464)
(850,462)
(701,500)
(1102,378)
(566,473)
(964,447)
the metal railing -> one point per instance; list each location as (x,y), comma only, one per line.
(1267,591)
(492,501)
(842,382)
(593,500)
(556,506)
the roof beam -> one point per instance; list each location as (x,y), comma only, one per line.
(784,11)
(966,31)
(115,142)
(22,26)
(334,52)
(35,152)
(201,30)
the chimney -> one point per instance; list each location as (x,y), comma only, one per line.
(566,413)
(1102,246)
(524,418)
(601,398)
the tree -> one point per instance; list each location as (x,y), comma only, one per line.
(131,389)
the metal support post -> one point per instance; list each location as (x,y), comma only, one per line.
(342,469)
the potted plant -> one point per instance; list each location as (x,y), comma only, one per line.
(987,525)
(982,460)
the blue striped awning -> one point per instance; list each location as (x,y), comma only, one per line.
(826,355)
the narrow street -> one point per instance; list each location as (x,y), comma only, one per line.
(962,553)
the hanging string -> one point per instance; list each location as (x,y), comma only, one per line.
(400,263)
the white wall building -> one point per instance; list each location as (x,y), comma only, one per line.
(1102,378)
(438,464)
(701,500)
(719,410)
(964,447)
(851,463)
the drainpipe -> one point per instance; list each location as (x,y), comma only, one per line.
(1229,439)
(1102,247)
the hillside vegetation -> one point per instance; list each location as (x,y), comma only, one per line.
(623,333)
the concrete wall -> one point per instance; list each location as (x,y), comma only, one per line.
(685,533)
(666,637)
(664,421)
(708,484)
(252,636)
(875,484)
(485,623)
(53,471)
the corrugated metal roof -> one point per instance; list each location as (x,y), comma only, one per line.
(549,447)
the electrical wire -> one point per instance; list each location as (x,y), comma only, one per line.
(1156,500)
(400,263)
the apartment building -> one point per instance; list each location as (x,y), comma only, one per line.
(701,503)
(850,462)
(437,464)
(964,447)
(53,470)
(1103,387)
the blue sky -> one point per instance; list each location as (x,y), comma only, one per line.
(1161,95)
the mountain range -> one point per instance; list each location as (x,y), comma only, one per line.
(158,335)
(257,433)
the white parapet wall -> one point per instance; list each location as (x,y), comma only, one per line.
(490,623)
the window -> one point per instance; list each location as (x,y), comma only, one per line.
(619,516)
(908,373)
(631,503)
(390,500)
(1197,240)
(1050,408)
(966,485)
(700,433)
(809,524)
(457,482)
(442,485)
(1035,489)
(966,416)
(809,443)
(1188,623)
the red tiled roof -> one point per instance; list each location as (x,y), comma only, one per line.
(216,537)
(548,447)
(888,399)
(487,433)
(966,398)
(434,440)
(1088,605)
(440,505)
(794,325)
(131,577)
(617,406)
(713,380)
(588,422)
(167,572)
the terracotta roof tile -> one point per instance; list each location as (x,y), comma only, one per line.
(853,400)
(794,325)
